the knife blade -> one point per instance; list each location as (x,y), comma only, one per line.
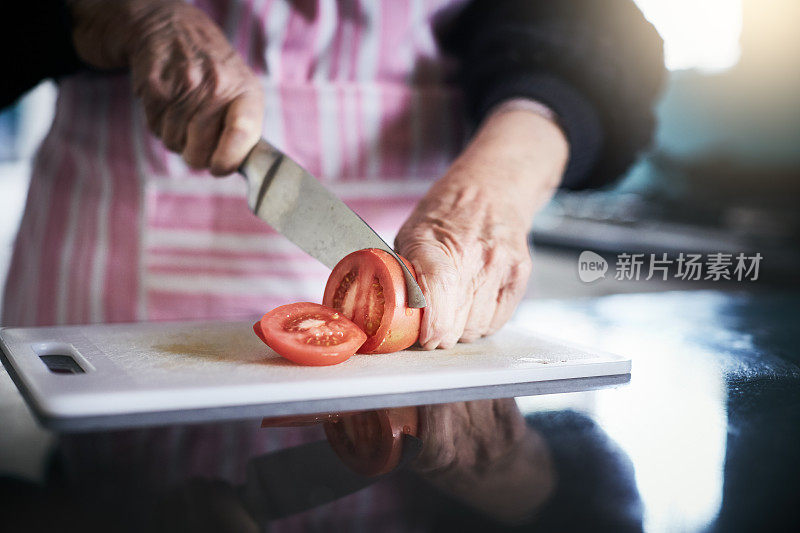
(295,203)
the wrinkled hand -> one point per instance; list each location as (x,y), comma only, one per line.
(468,436)
(467,238)
(471,257)
(199,96)
(484,453)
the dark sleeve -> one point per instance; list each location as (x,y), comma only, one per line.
(597,65)
(36,44)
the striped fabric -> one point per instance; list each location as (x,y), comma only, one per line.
(118,229)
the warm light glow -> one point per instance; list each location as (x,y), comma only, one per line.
(702,34)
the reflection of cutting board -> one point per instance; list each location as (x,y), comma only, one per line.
(137,374)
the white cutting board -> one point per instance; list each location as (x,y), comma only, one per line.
(157,373)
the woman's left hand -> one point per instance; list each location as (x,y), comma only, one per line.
(468,237)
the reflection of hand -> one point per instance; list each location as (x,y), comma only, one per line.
(467,238)
(199,96)
(204,505)
(483,453)
(468,436)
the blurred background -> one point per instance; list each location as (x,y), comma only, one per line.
(720,177)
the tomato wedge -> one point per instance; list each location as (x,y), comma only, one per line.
(371,442)
(368,287)
(310,334)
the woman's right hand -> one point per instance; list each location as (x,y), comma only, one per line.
(199,96)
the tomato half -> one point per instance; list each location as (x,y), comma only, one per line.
(368,287)
(371,442)
(310,334)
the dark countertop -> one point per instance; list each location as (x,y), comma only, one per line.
(705,436)
(711,417)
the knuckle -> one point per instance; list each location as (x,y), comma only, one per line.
(524,268)
(241,125)
(196,77)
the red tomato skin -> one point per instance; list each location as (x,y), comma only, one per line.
(259,333)
(291,345)
(400,324)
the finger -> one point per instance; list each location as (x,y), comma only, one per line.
(456,329)
(240,133)
(151,88)
(508,299)
(436,432)
(173,129)
(201,138)
(439,281)
(484,305)
(154,113)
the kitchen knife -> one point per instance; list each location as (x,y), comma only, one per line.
(291,200)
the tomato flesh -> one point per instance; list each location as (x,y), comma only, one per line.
(310,334)
(368,287)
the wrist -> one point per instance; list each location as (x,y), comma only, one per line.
(524,104)
(517,156)
(524,136)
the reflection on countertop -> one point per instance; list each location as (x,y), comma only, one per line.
(711,416)
(705,436)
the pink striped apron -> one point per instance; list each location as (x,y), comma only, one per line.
(117,229)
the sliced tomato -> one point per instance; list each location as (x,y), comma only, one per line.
(310,334)
(259,333)
(368,287)
(371,442)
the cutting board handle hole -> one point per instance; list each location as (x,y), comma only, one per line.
(59,358)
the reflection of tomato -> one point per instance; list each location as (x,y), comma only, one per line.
(368,287)
(310,334)
(371,442)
